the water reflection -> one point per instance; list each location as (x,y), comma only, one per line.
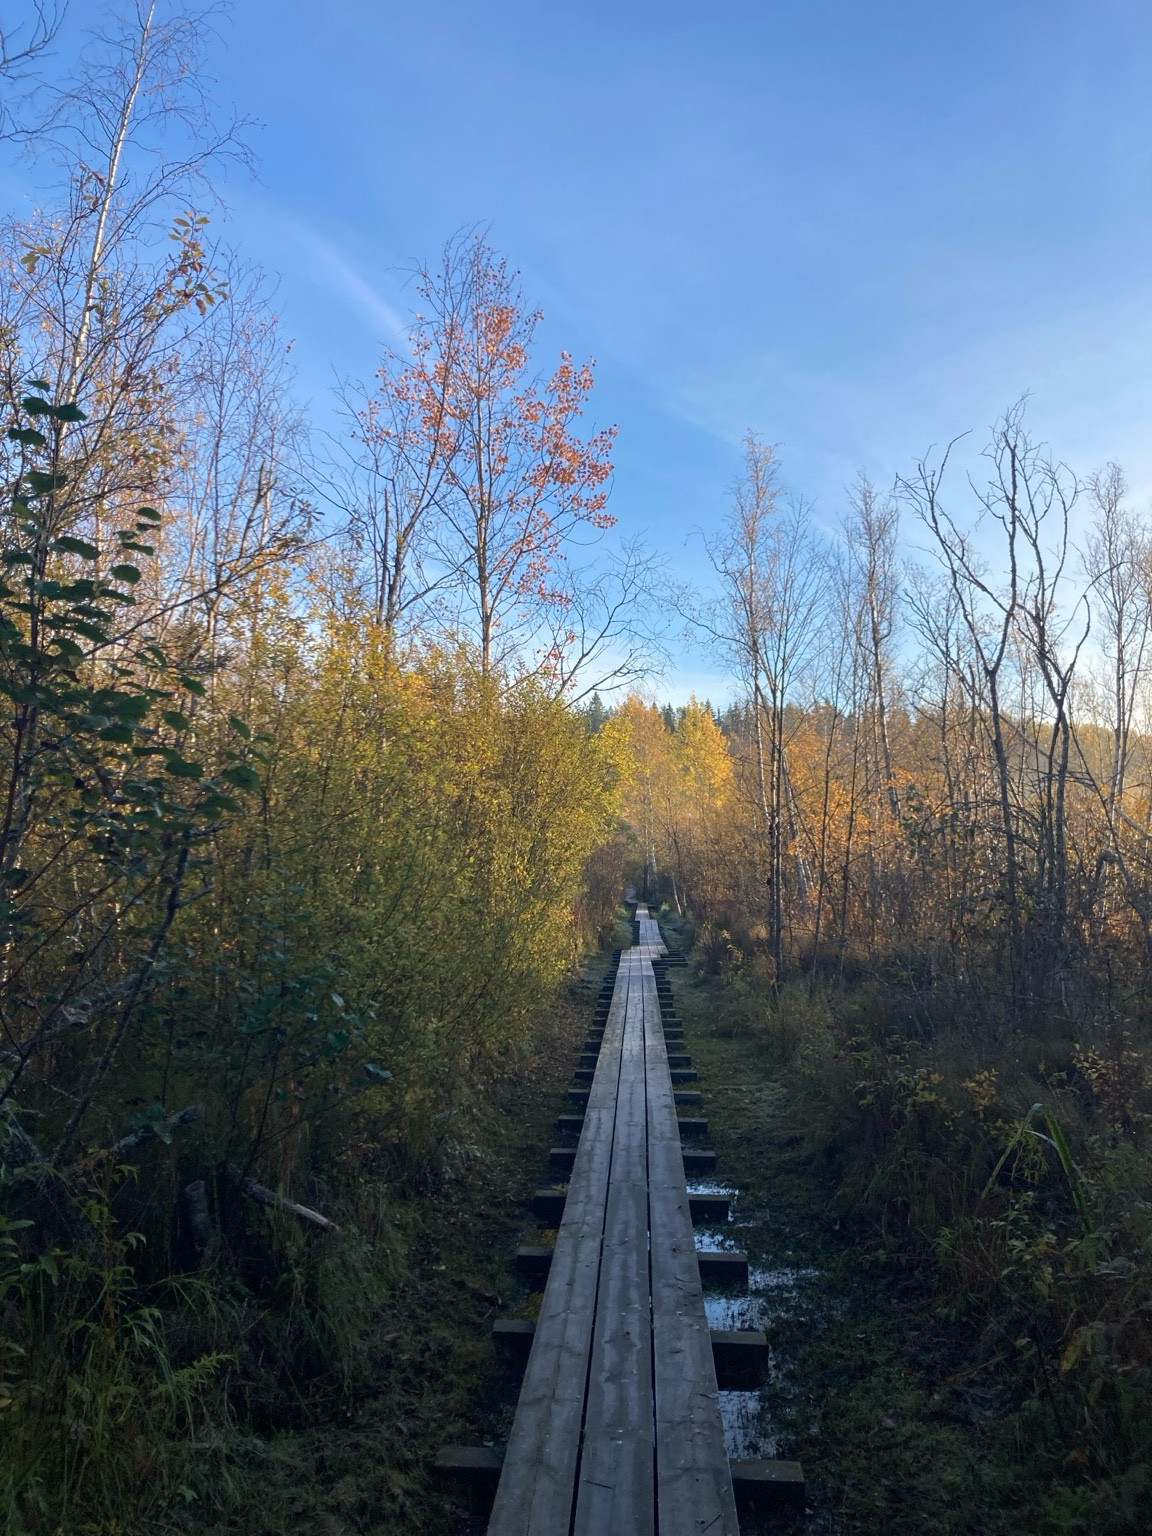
(773,1294)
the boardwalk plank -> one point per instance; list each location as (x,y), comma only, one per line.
(693,1483)
(616,1466)
(537,1485)
(618,1432)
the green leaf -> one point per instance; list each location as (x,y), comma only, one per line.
(69,411)
(73,546)
(89,631)
(381,1074)
(216,804)
(192,685)
(126,706)
(150,514)
(28,436)
(129,573)
(242,777)
(123,735)
(180,768)
(40,483)
(176,719)
(36,406)
(241,727)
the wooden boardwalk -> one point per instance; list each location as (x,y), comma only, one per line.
(617,1430)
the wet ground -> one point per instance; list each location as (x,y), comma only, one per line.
(866,1386)
(791,1293)
(869,1388)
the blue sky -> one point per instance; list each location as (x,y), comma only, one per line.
(857,226)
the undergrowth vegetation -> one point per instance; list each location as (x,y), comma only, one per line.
(1012,1199)
(289,865)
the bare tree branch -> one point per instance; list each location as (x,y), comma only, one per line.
(21,47)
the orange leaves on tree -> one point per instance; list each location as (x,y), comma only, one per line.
(515,481)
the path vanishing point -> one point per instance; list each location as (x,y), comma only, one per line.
(618,1428)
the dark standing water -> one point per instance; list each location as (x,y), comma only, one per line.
(774,1293)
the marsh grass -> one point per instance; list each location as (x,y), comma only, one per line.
(995,1188)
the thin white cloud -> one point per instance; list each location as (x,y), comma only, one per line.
(1085,369)
(338,273)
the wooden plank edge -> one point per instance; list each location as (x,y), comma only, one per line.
(740,1356)
(768,1485)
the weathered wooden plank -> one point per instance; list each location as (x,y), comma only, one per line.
(533,1262)
(648,933)
(548,1206)
(723,1266)
(618,1426)
(537,1486)
(693,1483)
(741,1357)
(615,1490)
(701,1207)
(770,1485)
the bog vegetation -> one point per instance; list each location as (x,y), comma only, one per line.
(926,834)
(305,813)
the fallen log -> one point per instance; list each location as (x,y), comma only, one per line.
(195,1202)
(265,1196)
(146,1132)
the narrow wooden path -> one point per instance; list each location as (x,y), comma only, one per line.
(618,1430)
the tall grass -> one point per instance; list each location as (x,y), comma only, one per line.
(1012,1172)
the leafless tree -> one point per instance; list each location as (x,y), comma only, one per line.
(766,620)
(605,632)
(23,45)
(388,483)
(1118,564)
(871,530)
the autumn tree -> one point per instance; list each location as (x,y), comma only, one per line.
(765,619)
(480,467)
